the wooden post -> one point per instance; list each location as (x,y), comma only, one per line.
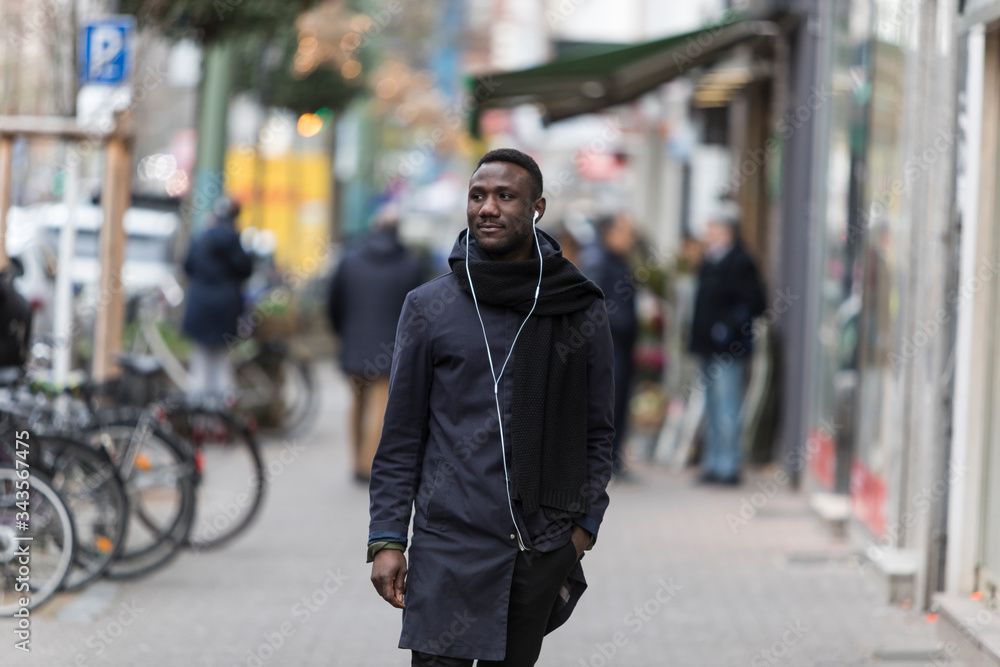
(6,160)
(115,198)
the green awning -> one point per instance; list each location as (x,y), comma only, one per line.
(569,87)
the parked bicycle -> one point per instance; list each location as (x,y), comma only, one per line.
(154,474)
(31,513)
(229,469)
(275,385)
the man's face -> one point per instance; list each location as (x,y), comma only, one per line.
(717,235)
(500,208)
(621,238)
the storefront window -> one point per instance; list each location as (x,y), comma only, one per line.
(990,557)
(885,234)
(835,365)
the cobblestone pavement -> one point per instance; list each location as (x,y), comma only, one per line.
(675,580)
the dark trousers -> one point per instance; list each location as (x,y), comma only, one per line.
(534,589)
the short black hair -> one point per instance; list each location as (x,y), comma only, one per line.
(523,160)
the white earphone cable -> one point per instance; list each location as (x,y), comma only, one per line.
(493,373)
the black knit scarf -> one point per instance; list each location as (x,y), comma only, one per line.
(549,406)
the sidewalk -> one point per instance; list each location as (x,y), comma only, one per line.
(675,580)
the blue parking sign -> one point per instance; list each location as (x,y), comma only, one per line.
(106,50)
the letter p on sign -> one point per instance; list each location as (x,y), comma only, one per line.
(105,50)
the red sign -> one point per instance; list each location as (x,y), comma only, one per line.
(594,166)
(868,498)
(822,457)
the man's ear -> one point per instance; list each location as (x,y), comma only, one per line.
(539,209)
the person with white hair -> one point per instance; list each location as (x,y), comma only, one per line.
(729,297)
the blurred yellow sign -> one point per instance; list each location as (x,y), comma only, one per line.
(291,196)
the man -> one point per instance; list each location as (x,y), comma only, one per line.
(729,297)
(493,565)
(216,266)
(366,295)
(607,265)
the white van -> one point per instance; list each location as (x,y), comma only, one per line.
(35,262)
(149,242)
(148,257)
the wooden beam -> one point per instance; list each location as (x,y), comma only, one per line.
(110,310)
(6,161)
(56,126)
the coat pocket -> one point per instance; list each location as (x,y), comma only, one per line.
(435,494)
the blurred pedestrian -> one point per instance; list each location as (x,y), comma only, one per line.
(499,427)
(365,297)
(606,263)
(729,297)
(216,266)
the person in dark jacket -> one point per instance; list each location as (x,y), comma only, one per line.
(729,297)
(499,428)
(216,266)
(606,263)
(366,295)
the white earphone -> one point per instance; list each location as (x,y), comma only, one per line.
(497,376)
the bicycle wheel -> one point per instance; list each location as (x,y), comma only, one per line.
(278,391)
(298,395)
(49,537)
(230,479)
(88,482)
(159,480)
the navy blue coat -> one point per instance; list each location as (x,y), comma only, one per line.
(366,295)
(441,451)
(613,276)
(216,266)
(730,295)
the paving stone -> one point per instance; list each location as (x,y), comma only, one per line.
(778,590)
